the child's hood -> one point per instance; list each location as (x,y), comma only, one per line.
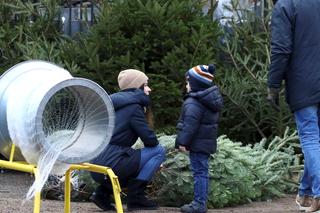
(211,98)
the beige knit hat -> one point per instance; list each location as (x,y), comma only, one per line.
(131,78)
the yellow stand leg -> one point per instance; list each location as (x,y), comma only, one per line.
(67,192)
(24,167)
(13,149)
(37,197)
(98,169)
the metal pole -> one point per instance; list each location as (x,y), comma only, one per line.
(92,15)
(67,192)
(70,17)
(37,197)
(80,21)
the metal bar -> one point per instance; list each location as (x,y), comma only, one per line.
(13,148)
(37,197)
(17,166)
(92,15)
(99,169)
(67,192)
(23,167)
(70,17)
(80,21)
(81,5)
(116,190)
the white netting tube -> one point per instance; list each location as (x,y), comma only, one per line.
(53,118)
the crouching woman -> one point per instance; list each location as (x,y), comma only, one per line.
(134,167)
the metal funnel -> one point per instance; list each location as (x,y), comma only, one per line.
(41,103)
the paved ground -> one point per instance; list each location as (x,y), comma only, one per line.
(14,185)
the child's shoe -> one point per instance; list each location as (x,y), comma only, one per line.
(193,207)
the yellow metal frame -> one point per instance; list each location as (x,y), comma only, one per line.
(25,167)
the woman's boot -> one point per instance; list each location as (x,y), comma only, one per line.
(101,197)
(136,196)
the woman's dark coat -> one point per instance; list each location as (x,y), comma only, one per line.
(130,124)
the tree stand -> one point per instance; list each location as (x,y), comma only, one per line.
(25,167)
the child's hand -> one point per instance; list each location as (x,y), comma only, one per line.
(182,149)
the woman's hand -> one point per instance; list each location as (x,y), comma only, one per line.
(182,149)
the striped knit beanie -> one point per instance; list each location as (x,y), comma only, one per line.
(201,76)
(131,78)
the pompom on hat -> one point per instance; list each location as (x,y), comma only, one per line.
(131,78)
(201,76)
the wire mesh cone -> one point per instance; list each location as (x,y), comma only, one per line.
(43,107)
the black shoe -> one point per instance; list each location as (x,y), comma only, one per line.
(136,197)
(102,202)
(141,203)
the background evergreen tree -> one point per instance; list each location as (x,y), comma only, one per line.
(162,38)
(247,115)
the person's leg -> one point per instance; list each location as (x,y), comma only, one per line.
(103,191)
(308,130)
(315,204)
(200,169)
(101,195)
(151,159)
(305,183)
(304,197)
(305,187)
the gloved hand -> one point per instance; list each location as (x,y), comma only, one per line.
(273,98)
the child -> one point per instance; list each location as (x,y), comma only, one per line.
(197,126)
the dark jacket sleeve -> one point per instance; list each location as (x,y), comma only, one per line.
(191,122)
(140,126)
(282,29)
